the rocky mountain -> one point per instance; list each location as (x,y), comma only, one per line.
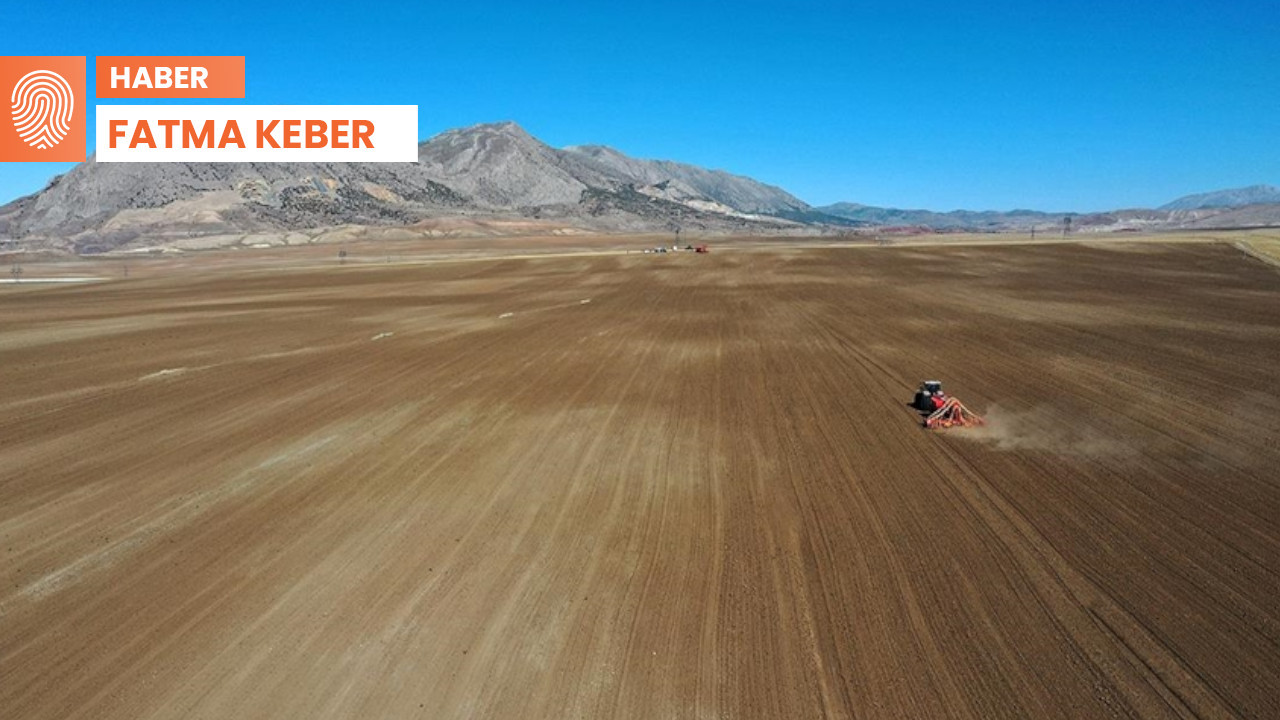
(496,178)
(494,171)
(502,166)
(681,182)
(1238,197)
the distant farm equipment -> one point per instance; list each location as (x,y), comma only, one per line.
(941,410)
(676,248)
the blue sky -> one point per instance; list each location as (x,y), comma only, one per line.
(993,105)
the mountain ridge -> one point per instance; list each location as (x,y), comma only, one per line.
(490,170)
(498,173)
(1252,206)
(1229,198)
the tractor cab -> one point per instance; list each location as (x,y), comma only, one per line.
(929,397)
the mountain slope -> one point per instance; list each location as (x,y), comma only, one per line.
(502,166)
(1238,197)
(111,200)
(471,176)
(492,170)
(735,191)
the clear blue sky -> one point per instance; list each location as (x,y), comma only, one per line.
(982,105)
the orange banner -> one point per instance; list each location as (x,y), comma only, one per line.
(170,76)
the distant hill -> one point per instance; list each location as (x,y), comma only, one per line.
(968,220)
(1239,197)
(1200,217)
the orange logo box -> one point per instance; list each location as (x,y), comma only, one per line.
(43,119)
(170,76)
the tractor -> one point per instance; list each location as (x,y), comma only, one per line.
(941,410)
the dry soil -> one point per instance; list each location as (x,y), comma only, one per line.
(646,486)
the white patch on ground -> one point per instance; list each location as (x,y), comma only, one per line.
(167,372)
(584,302)
(291,454)
(382,335)
(32,281)
(506,315)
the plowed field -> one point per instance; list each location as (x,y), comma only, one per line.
(647,486)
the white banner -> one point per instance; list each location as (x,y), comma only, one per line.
(257,133)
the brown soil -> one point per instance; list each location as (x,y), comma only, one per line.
(233,494)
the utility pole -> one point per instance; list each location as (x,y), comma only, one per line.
(1066,225)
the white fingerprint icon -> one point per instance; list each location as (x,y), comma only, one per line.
(42,108)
